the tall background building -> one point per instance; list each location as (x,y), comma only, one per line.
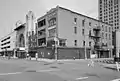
(109,12)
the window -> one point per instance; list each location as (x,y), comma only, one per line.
(41,23)
(103,27)
(52,32)
(75,30)
(103,35)
(41,41)
(90,44)
(109,29)
(5,39)
(106,35)
(83,22)
(109,37)
(75,20)
(62,42)
(52,22)
(106,28)
(89,23)
(83,31)
(83,43)
(89,32)
(5,43)
(75,41)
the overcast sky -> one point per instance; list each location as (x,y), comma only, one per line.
(14,10)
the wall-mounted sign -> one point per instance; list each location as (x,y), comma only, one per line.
(21,48)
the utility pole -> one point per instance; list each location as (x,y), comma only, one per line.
(55,46)
(85,47)
(85,43)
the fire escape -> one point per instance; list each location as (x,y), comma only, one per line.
(96,37)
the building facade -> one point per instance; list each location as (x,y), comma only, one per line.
(8,44)
(109,12)
(22,40)
(62,27)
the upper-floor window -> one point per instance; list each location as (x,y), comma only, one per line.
(41,32)
(106,35)
(83,31)
(89,23)
(106,28)
(75,20)
(83,43)
(5,43)
(75,41)
(109,29)
(89,43)
(5,39)
(89,32)
(102,27)
(41,23)
(52,21)
(52,32)
(75,30)
(62,42)
(109,37)
(103,35)
(83,22)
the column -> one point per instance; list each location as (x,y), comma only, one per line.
(14,56)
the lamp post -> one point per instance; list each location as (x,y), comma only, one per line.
(55,39)
(14,56)
(85,47)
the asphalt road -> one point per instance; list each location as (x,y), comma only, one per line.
(22,70)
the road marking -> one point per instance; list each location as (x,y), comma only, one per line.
(116,79)
(48,70)
(10,73)
(81,78)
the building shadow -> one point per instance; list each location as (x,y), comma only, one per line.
(111,68)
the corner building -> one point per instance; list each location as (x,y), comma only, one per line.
(73,31)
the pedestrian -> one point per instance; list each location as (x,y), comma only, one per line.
(91,63)
(27,55)
(36,56)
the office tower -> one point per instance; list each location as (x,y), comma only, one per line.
(109,12)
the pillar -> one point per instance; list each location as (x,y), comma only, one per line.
(14,56)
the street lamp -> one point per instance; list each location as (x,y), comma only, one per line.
(85,47)
(55,39)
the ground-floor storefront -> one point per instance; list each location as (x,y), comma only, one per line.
(63,53)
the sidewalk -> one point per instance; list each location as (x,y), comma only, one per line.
(101,60)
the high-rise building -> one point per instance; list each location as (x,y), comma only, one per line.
(109,12)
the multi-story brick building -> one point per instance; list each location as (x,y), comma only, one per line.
(72,29)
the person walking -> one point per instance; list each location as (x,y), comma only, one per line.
(91,63)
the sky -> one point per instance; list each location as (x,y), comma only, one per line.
(12,11)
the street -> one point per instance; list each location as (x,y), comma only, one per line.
(25,70)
